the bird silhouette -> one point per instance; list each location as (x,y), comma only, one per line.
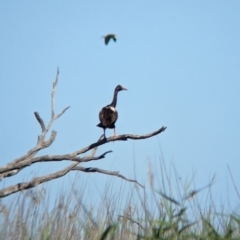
(108,37)
(108,115)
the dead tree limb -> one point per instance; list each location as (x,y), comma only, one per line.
(115,173)
(48,158)
(71,156)
(39,119)
(35,181)
(28,159)
(122,137)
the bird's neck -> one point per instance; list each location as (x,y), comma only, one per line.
(114,101)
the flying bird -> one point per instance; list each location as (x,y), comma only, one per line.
(108,37)
(109,115)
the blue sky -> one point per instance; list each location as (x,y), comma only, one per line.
(179,61)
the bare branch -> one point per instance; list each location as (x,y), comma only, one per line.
(50,140)
(61,113)
(14,169)
(56,79)
(139,137)
(41,143)
(53,93)
(91,170)
(29,154)
(53,117)
(123,137)
(40,121)
(9,173)
(36,181)
(91,158)
(73,155)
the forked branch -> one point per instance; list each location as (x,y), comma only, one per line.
(73,156)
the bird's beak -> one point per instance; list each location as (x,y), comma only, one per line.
(123,88)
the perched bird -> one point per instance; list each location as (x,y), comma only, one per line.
(109,115)
(108,37)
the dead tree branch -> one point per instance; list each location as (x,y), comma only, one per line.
(72,156)
(53,158)
(48,158)
(53,93)
(35,181)
(115,173)
(28,159)
(123,137)
(40,121)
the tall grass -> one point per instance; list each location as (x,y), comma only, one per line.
(165,209)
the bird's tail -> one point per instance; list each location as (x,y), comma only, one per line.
(100,125)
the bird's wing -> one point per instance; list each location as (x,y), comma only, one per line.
(106,39)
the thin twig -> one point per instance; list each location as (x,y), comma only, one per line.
(61,113)
(92,169)
(41,143)
(40,121)
(53,93)
(91,158)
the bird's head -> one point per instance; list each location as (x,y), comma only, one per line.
(119,88)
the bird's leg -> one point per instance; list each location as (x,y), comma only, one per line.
(114,133)
(104,133)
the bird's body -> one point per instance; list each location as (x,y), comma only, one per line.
(108,114)
(108,37)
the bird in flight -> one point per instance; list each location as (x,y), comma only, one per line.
(108,114)
(108,37)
